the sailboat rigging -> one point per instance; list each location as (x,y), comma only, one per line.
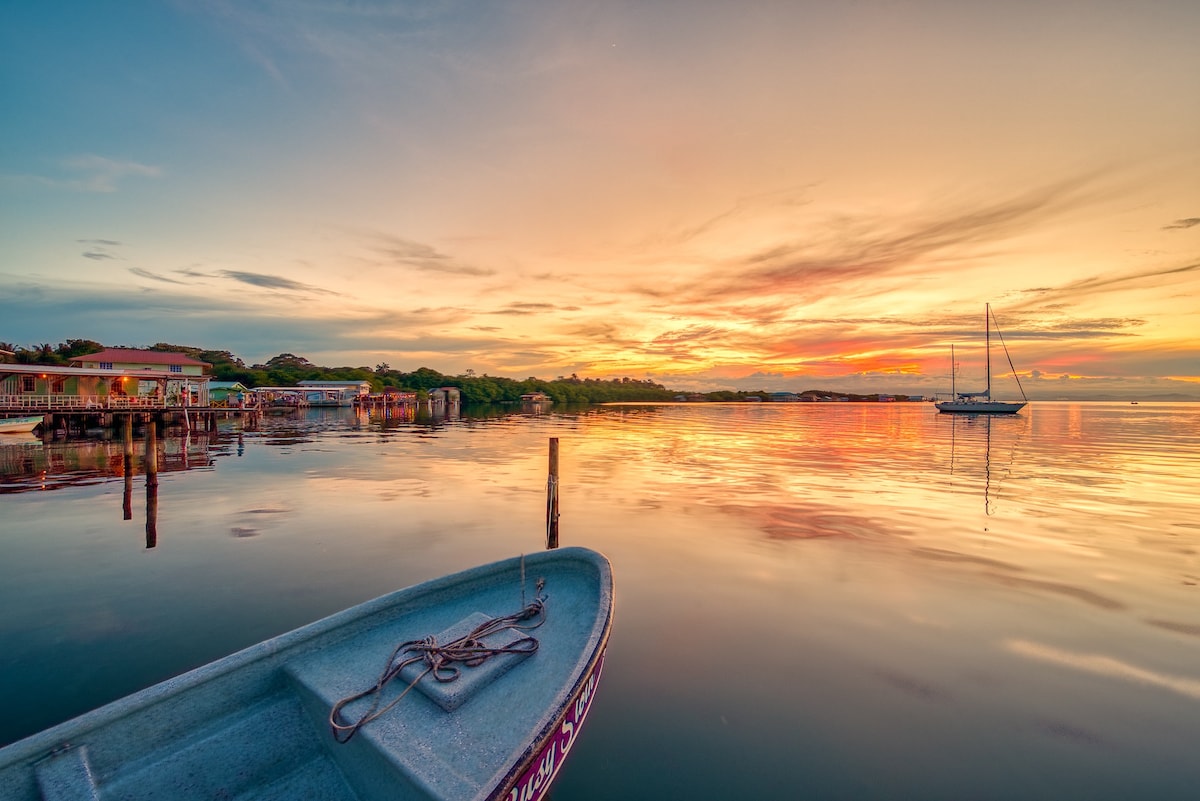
(981,402)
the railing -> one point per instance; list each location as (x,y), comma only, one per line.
(80,402)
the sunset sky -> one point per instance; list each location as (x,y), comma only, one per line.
(753,195)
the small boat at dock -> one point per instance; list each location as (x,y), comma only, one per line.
(469,686)
(20,425)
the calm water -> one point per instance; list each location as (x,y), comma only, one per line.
(813,600)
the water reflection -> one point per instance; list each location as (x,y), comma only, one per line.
(931,605)
(971,451)
(1104,665)
(54,464)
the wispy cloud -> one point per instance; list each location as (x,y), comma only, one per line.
(138,271)
(1135,279)
(855,256)
(274,282)
(1187,222)
(522,308)
(101,174)
(426,258)
(100,249)
(86,173)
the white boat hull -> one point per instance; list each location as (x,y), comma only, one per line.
(19,425)
(980,407)
(981,402)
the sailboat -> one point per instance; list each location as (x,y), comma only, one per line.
(981,402)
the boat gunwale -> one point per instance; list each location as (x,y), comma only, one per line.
(267,655)
(545,738)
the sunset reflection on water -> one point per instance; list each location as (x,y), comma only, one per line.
(833,600)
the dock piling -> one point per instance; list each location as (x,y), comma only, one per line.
(552,497)
(151,485)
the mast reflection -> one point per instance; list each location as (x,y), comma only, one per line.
(973,457)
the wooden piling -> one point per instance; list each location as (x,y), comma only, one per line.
(552,497)
(151,465)
(151,515)
(151,485)
(127,433)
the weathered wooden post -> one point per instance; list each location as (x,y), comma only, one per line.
(151,485)
(127,432)
(552,497)
(151,465)
(151,515)
(127,505)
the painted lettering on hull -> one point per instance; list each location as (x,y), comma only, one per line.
(537,777)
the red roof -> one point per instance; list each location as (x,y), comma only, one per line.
(132,356)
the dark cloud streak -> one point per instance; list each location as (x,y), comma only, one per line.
(1187,222)
(154,276)
(274,282)
(425,258)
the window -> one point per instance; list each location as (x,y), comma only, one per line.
(176,368)
(58,386)
(105,365)
(28,383)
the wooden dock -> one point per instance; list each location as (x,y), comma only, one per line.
(77,421)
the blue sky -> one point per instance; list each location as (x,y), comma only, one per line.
(790,195)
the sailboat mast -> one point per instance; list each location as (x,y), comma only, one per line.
(953,394)
(987,338)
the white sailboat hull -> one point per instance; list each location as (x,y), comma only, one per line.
(981,402)
(980,407)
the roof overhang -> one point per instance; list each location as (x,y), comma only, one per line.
(67,372)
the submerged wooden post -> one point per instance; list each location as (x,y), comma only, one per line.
(151,485)
(127,501)
(151,465)
(151,516)
(127,433)
(552,497)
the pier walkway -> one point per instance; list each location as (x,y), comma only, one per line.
(76,414)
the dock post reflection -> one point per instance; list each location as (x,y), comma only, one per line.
(127,434)
(151,485)
(552,497)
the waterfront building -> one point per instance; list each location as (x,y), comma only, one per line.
(226,393)
(134,359)
(45,387)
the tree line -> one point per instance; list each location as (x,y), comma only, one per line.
(288,369)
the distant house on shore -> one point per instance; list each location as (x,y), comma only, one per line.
(535,397)
(784,397)
(351,389)
(447,395)
(333,393)
(132,359)
(226,393)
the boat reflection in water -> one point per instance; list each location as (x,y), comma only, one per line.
(971,456)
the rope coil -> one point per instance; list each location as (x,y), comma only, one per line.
(441,661)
